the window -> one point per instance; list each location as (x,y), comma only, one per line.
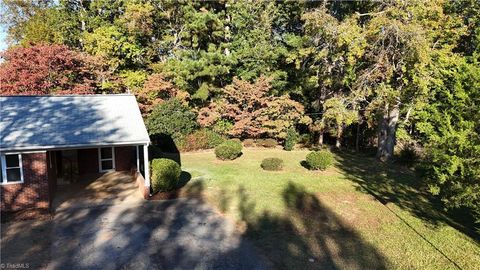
(106,157)
(11,169)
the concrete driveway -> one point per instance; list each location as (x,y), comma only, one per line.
(177,234)
(103,225)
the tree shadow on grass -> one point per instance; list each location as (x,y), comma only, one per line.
(390,183)
(307,236)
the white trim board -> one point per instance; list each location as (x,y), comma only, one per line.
(24,149)
(3,162)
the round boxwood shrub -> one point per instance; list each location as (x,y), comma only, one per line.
(319,160)
(165,174)
(228,150)
(272,164)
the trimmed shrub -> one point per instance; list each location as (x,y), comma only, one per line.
(319,160)
(165,174)
(228,150)
(200,139)
(249,143)
(269,143)
(272,164)
(291,140)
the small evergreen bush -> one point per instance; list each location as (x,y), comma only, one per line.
(319,160)
(272,164)
(165,174)
(291,139)
(228,150)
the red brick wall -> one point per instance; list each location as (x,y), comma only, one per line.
(34,192)
(143,190)
(125,158)
(88,161)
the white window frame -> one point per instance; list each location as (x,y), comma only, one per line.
(4,169)
(100,159)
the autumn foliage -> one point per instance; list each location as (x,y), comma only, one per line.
(156,90)
(253,111)
(47,69)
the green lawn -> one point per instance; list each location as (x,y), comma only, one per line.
(357,215)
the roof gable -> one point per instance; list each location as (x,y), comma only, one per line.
(40,122)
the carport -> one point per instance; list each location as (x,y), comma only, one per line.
(111,188)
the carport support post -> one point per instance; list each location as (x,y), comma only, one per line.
(146,167)
(138,158)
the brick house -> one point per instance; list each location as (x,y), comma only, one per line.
(47,140)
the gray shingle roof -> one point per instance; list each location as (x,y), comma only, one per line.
(42,122)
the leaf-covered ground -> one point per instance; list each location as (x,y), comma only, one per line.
(356,215)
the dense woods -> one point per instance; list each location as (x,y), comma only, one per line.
(401,78)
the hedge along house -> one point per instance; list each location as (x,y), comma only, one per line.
(50,140)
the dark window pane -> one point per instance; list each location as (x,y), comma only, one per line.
(107,165)
(13,175)
(106,152)
(12,160)
(1,173)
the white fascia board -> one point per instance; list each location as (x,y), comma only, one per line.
(73,146)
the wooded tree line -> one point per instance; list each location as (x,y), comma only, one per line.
(397,76)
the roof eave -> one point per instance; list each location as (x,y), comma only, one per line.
(72,146)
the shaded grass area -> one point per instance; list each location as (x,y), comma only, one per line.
(329,220)
(398,185)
